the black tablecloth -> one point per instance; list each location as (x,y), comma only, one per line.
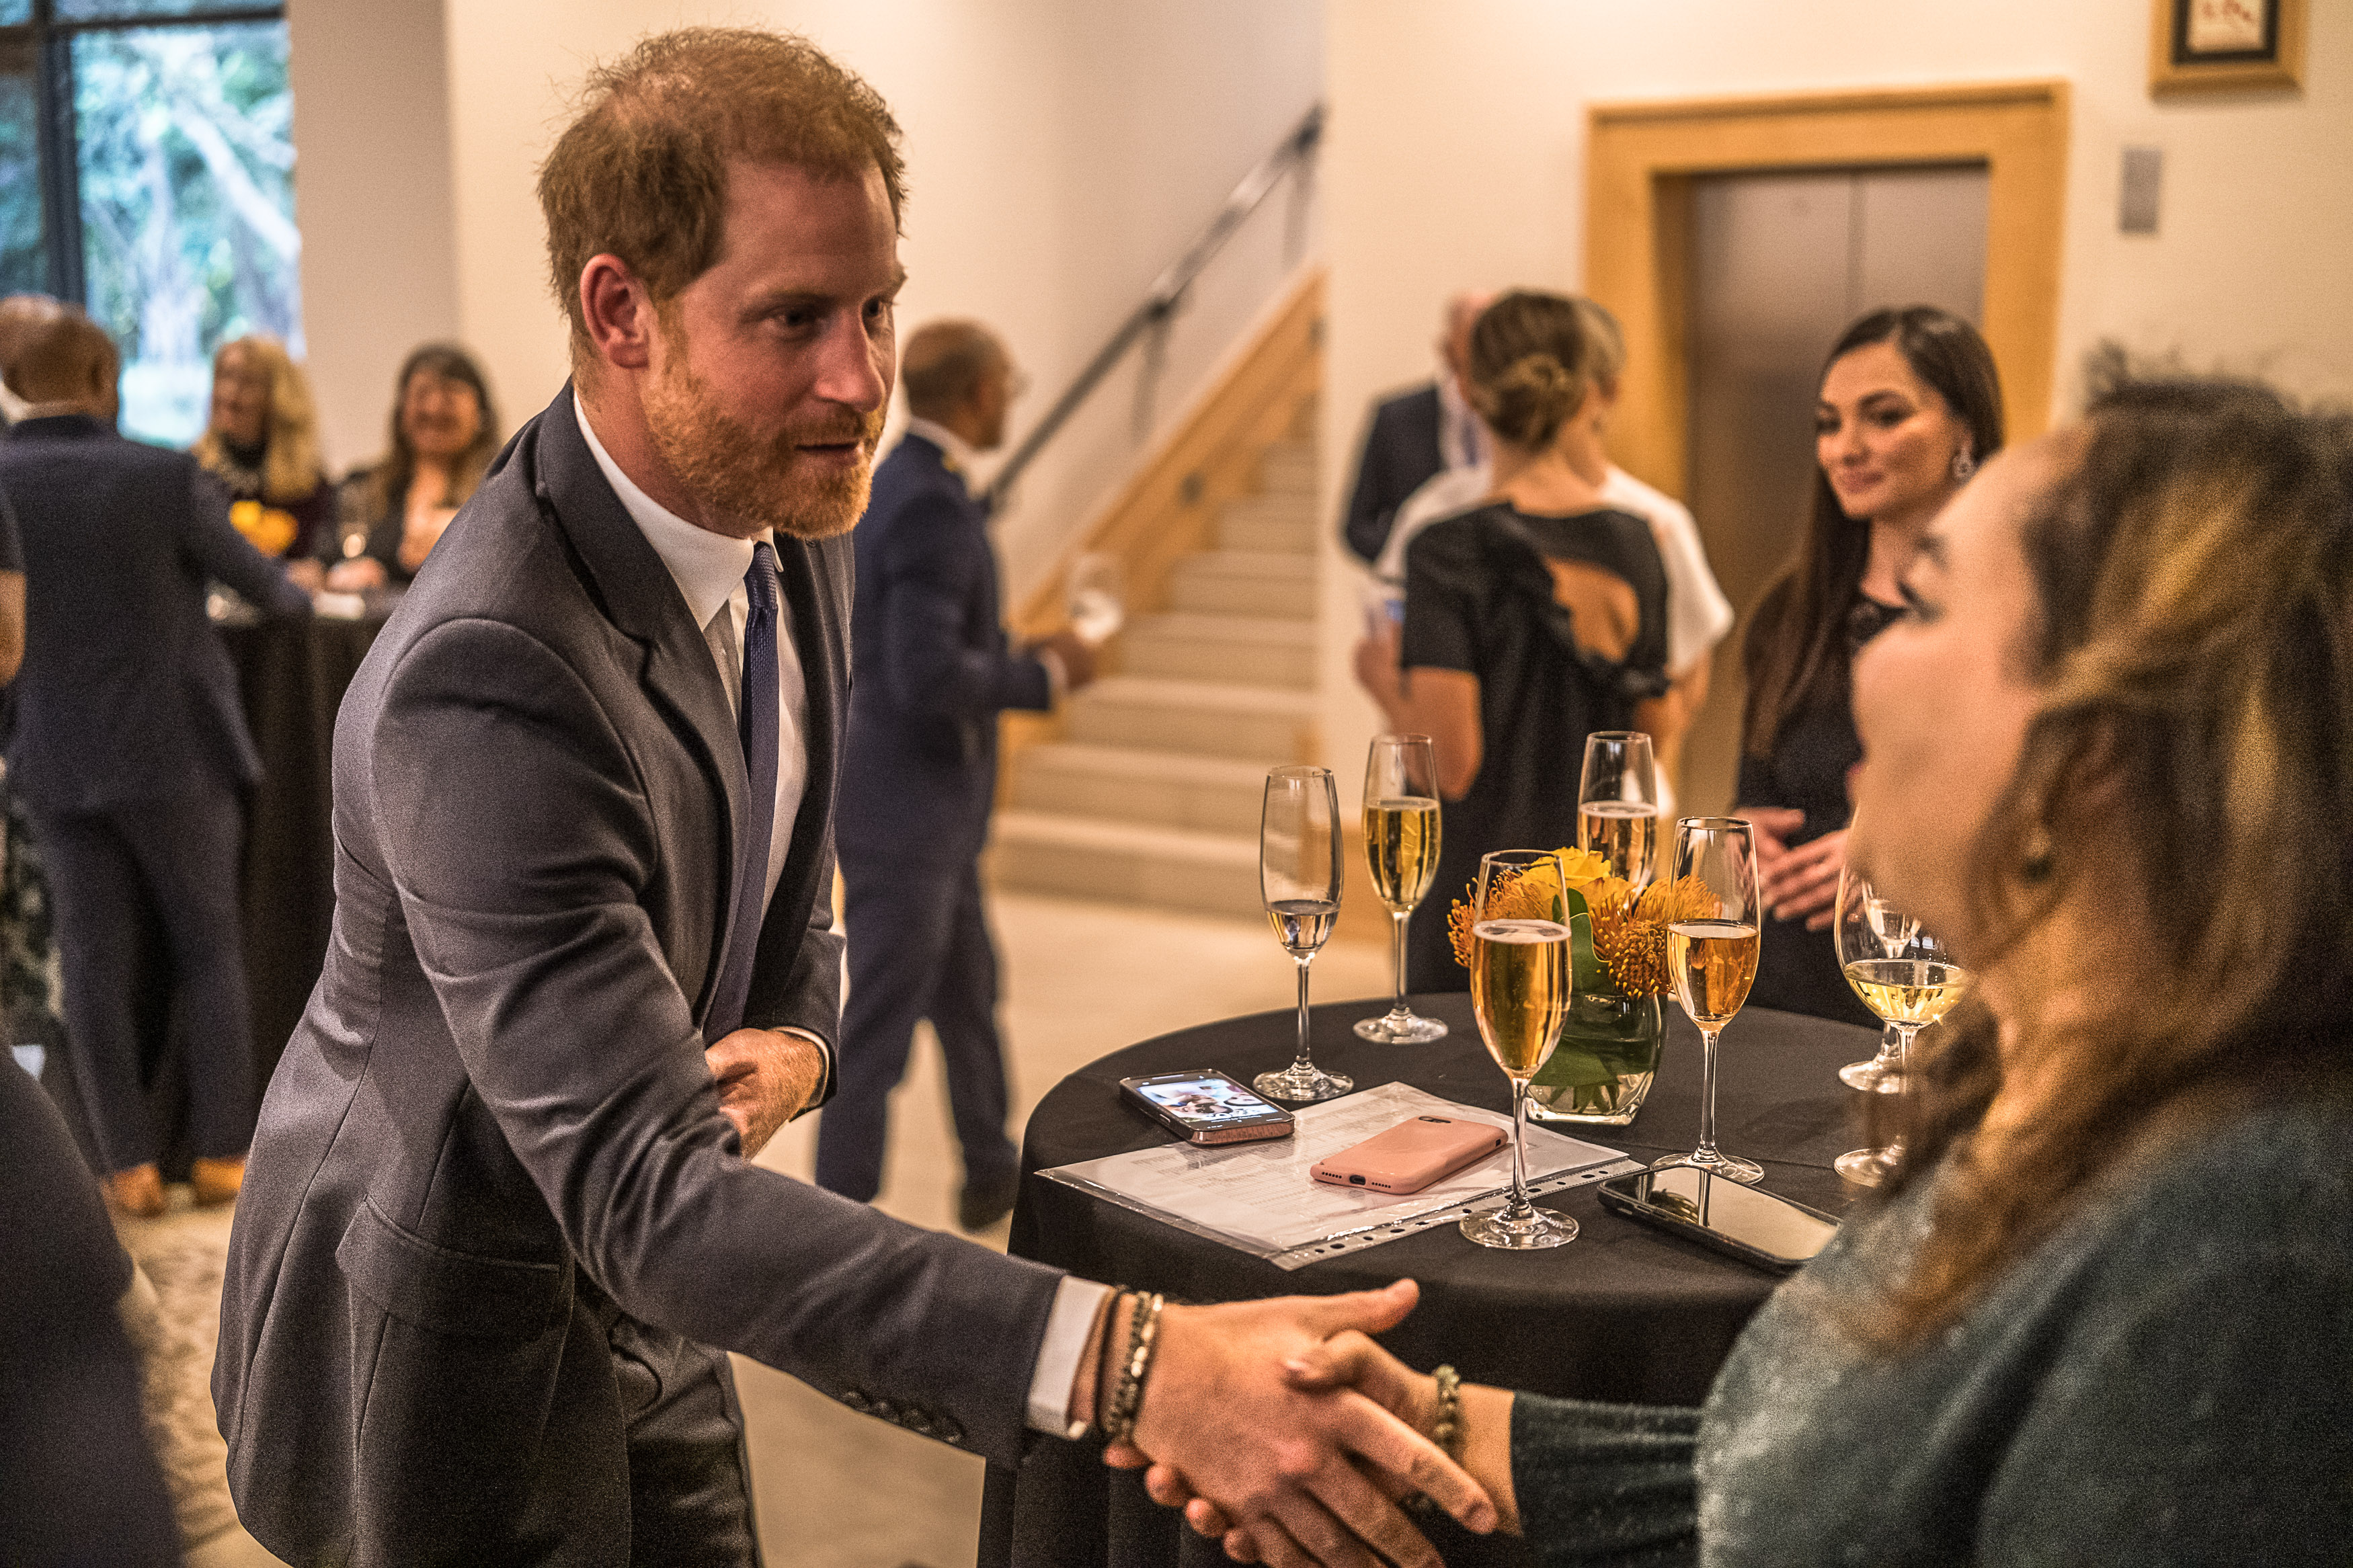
(292,676)
(1624,1312)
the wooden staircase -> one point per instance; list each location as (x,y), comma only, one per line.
(1146,789)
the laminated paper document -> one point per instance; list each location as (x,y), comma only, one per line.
(1258,1198)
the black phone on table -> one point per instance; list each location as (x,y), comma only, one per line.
(1747,1222)
(1206,1106)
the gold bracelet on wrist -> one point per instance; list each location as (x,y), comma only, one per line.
(1126,1400)
(1445,1428)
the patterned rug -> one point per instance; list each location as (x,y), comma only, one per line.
(175,1321)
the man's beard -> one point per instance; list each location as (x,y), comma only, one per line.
(747,483)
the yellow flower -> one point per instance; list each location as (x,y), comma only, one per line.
(1629,933)
(1533,894)
(267,529)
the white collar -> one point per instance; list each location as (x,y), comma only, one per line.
(955,447)
(707,567)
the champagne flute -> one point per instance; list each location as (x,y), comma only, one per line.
(1618,804)
(1402,833)
(1713,958)
(1905,976)
(1519,991)
(1299,875)
(1097,609)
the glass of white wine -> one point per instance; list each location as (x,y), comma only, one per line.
(1299,875)
(1713,960)
(1401,846)
(1906,976)
(1618,804)
(1097,607)
(1519,991)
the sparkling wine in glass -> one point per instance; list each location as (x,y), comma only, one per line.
(1299,850)
(1520,979)
(1906,976)
(1893,930)
(1618,804)
(1713,957)
(1097,609)
(1402,848)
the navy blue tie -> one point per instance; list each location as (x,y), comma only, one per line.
(756,728)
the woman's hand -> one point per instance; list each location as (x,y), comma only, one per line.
(356,575)
(1803,883)
(1377,669)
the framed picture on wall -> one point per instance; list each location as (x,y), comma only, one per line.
(2225,45)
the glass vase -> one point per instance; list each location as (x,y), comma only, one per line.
(1602,1069)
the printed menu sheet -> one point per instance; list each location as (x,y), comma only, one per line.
(1258,1197)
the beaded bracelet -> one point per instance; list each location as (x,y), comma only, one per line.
(1445,1428)
(1127,1396)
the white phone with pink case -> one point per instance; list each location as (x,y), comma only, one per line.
(1411,1156)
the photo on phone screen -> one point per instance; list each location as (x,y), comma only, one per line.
(1205,1100)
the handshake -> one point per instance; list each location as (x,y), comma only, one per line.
(1285,1431)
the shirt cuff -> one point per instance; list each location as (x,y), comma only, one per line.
(825,1067)
(1076,1301)
(1057,679)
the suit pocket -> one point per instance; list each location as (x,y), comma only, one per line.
(432,1287)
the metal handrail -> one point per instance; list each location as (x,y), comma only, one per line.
(1168,293)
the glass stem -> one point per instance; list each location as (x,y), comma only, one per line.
(1891,1048)
(1520,1207)
(1707,1093)
(1902,1068)
(1302,1065)
(1398,1009)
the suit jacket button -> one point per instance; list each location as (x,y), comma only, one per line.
(855,1400)
(884,1409)
(947,1431)
(919,1422)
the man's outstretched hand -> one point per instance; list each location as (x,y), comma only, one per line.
(1309,1473)
(765,1077)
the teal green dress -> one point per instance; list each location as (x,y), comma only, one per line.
(2167,1379)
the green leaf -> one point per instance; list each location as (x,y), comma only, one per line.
(1587,973)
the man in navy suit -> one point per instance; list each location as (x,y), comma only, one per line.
(932,668)
(1414,437)
(131,751)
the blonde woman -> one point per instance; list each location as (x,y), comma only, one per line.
(261,443)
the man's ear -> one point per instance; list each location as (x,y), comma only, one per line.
(618,310)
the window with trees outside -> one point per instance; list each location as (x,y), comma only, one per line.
(147,173)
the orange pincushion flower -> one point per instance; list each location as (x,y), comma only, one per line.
(1521,896)
(1629,933)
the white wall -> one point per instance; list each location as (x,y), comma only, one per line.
(372,196)
(1457,151)
(1060,152)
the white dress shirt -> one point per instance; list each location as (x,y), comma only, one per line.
(709,570)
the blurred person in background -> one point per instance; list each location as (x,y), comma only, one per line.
(1698,614)
(1910,406)
(1417,435)
(2103,1312)
(18,312)
(932,670)
(262,444)
(130,750)
(445,432)
(1530,621)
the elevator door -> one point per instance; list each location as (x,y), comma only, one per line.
(1779,264)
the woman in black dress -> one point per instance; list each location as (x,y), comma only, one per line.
(444,435)
(1910,406)
(1532,620)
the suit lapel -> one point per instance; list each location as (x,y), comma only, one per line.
(643,602)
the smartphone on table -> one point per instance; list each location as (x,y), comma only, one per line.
(1411,1155)
(1206,1106)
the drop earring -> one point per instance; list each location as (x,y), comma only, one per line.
(1963,465)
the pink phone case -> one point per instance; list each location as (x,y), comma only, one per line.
(1411,1156)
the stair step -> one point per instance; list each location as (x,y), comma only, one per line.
(1288,467)
(1204,718)
(1254,650)
(1200,588)
(1211,873)
(1272,524)
(1161,789)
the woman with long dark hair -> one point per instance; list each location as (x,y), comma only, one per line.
(444,433)
(2103,1312)
(1531,620)
(1909,407)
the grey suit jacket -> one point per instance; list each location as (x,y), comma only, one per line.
(493,1130)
